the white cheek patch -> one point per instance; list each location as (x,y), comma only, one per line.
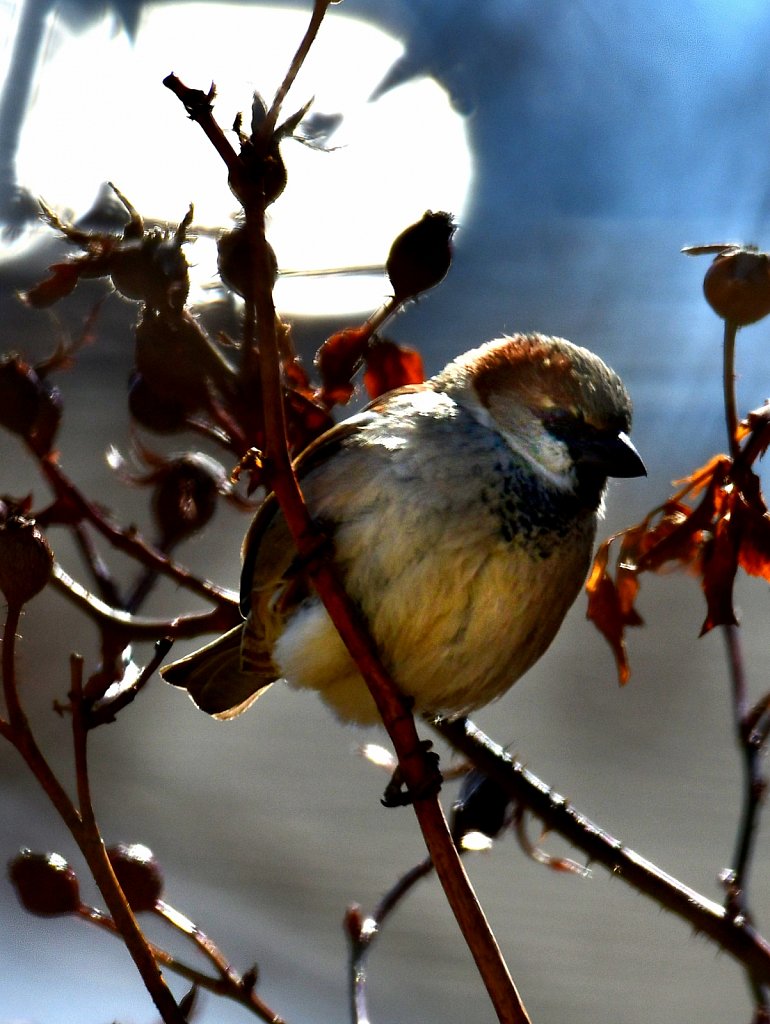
(525,434)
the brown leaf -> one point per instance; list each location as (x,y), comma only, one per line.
(306,420)
(676,537)
(62,281)
(756,424)
(717,467)
(608,610)
(338,359)
(390,366)
(752,522)
(720,563)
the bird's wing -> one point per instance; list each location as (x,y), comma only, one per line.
(269,554)
(274,578)
(215,678)
(226,676)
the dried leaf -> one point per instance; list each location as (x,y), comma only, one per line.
(338,359)
(756,424)
(720,563)
(676,537)
(752,522)
(306,420)
(606,610)
(62,281)
(703,476)
(390,366)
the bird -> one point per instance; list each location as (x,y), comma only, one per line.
(462,513)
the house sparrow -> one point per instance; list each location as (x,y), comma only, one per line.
(463,513)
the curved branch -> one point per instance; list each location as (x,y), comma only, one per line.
(127,541)
(731,932)
(138,627)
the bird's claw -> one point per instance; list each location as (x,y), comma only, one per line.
(397,792)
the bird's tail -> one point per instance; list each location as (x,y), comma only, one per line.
(214,678)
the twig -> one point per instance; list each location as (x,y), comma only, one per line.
(363,931)
(728,385)
(138,627)
(750,742)
(97,565)
(80,824)
(731,932)
(104,710)
(317,17)
(128,541)
(198,105)
(89,840)
(232,986)
(19,732)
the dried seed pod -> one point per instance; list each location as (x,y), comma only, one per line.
(178,361)
(737,286)
(185,495)
(235,264)
(153,270)
(29,405)
(421,255)
(45,883)
(139,874)
(26,560)
(163,415)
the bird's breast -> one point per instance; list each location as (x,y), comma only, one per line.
(463,568)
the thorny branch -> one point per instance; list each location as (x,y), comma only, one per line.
(731,932)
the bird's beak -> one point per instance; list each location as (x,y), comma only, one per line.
(614,454)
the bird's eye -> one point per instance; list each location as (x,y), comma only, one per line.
(564,423)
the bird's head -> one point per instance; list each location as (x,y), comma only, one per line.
(557,405)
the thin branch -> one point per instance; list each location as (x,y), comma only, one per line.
(16,716)
(198,105)
(79,821)
(128,541)
(79,734)
(89,839)
(104,710)
(319,11)
(728,386)
(19,733)
(755,785)
(137,627)
(731,932)
(231,983)
(99,569)
(220,985)
(363,931)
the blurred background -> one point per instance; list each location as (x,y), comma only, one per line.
(580,146)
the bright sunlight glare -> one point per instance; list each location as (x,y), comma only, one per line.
(100,113)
